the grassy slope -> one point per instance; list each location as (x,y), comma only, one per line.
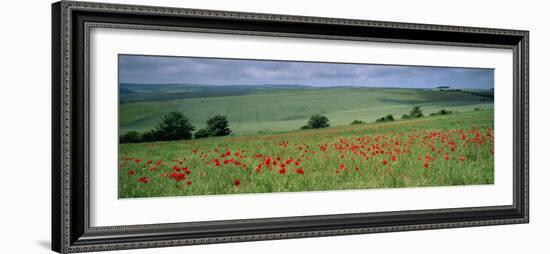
(286,110)
(406,171)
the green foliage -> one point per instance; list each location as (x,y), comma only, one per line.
(357,122)
(201,133)
(218,126)
(173,126)
(305,127)
(318,121)
(416,112)
(130,137)
(149,136)
(442,112)
(405,116)
(387,118)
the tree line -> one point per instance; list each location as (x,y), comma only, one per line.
(176,126)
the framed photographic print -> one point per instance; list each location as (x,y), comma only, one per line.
(181,126)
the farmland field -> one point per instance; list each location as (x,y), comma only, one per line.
(445,150)
(265,109)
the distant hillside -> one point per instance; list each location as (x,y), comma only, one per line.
(130,92)
(268,109)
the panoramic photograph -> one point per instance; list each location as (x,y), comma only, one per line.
(211,126)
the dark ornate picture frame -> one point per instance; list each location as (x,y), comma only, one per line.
(71,23)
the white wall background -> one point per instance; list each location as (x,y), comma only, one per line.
(25,125)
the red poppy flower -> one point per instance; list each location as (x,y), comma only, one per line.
(282,171)
(163,174)
(189,183)
(177,176)
(385,162)
(237,182)
(299,171)
(159,163)
(426,164)
(143,180)
(131,172)
(393,158)
(462,158)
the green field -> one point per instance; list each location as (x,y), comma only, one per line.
(265,109)
(454,149)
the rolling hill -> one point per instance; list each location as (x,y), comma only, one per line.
(279,108)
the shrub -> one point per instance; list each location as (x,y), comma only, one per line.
(442,112)
(305,127)
(405,116)
(318,121)
(416,112)
(357,122)
(149,136)
(477,109)
(201,133)
(387,118)
(173,126)
(218,126)
(130,137)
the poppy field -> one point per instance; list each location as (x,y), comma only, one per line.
(443,150)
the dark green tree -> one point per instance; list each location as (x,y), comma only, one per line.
(130,137)
(149,136)
(416,112)
(201,133)
(173,126)
(218,126)
(387,118)
(318,121)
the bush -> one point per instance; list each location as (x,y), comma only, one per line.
(387,118)
(442,112)
(318,121)
(173,126)
(305,127)
(477,109)
(416,112)
(357,122)
(405,116)
(201,133)
(218,126)
(130,137)
(149,136)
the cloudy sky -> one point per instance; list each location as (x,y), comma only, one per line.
(212,71)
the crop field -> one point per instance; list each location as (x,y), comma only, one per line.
(255,110)
(444,150)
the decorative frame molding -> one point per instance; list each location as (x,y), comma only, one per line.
(71,23)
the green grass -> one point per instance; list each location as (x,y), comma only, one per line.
(274,111)
(332,159)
